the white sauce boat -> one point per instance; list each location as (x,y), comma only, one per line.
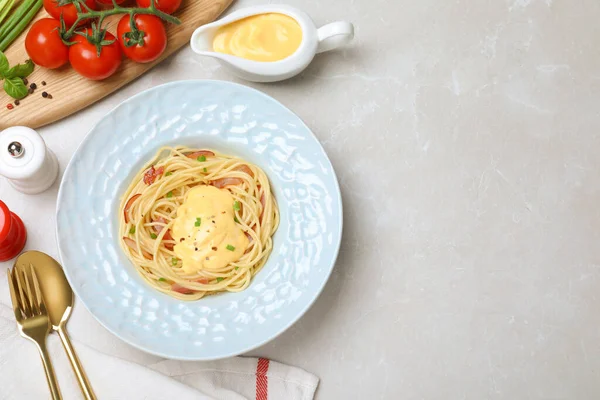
(314,40)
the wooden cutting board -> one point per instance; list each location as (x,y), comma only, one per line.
(72,92)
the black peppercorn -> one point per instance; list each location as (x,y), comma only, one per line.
(17,102)
(44,94)
(33,86)
(43,83)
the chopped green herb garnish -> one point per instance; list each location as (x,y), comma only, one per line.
(237,206)
(153,236)
(236,268)
(230,247)
(236,220)
(169,173)
(220,279)
(201,158)
(169,195)
(198,222)
(162,279)
(205,170)
(174,261)
(132,230)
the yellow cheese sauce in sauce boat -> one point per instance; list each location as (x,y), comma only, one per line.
(268,43)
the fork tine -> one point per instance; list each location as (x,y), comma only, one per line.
(31,295)
(13,296)
(25,309)
(39,299)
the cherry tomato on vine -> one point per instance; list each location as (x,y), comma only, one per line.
(166,6)
(67,9)
(84,58)
(148,43)
(44,44)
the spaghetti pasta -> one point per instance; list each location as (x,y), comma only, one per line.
(149,213)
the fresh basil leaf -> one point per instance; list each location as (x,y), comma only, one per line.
(20,70)
(15,88)
(3,64)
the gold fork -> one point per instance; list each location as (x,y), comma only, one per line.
(32,317)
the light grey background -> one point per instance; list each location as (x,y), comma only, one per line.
(465,135)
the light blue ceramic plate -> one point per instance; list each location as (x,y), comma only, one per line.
(233,119)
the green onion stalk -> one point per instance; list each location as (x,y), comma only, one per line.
(18,21)
(5,7)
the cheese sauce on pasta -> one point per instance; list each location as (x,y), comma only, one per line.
(196,222)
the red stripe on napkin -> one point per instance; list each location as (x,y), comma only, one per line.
(262,383)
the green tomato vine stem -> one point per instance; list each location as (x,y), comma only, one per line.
(116,10)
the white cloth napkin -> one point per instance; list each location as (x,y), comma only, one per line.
(22,375)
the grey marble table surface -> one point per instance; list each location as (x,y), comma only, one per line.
(466,137)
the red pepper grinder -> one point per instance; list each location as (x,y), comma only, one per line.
(12,233)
